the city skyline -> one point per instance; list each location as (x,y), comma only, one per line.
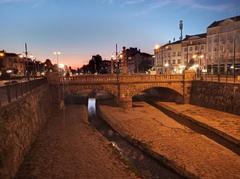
(82,29)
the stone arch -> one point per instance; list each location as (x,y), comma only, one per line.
(76,89)
(176,87)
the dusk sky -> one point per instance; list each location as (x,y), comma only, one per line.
(82,28)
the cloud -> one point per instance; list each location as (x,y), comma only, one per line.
(150,5)
(13,1)
(33,3)
(132,2)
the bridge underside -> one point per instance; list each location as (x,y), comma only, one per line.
(123,93)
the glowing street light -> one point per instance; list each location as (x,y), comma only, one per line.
(166,64)
(21,56)
(157,47)
(61,66)
(31,56)
(57,53)
(2,54)
(9,71)
(194,56)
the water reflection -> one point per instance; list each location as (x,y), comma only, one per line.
(92,106)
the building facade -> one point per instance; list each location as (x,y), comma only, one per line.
(12,63)
(223,46)
(194,51)
(168,58)
(215,52)
(137,61)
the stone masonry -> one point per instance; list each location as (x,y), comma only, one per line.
(220,96)
(124,87)
(20,123)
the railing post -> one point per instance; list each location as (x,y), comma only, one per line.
(16,90)
(8,93)
(21,85)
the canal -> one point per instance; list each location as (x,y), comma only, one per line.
(144,165)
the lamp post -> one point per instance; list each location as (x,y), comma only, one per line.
(57,53)
(166,65)
(199,58)
(112,70)
(234,58)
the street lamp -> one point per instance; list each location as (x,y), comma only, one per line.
(61,66)
(112,57)
(2,54)
(57,53)
(157,47)
(166,65)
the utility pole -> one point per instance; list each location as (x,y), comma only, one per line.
(234,58)
(117,60)
(26,62)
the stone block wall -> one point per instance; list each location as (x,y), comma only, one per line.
(220,96)
(20,123)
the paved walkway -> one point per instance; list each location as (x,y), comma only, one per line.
(69,148)
(184,150)
(225,124)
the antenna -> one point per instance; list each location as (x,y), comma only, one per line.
(181,29)
(116,51)
(26,51)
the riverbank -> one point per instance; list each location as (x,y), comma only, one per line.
(187,152)
(223,124)
(69,148)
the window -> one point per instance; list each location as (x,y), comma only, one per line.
(191,48)
(196,47)
(174,54)
(179,53)
(202,47)
(185,49)
(179,61)
(209,40)
(174,61)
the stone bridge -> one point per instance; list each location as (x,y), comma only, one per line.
(124,87)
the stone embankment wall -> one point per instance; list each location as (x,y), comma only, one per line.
(220,96)
(20,123)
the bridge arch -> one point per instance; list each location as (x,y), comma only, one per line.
(176,87)
(160,93)
(77,89)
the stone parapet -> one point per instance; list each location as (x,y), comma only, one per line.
(20,123)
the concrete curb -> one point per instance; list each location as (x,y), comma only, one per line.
(181,170)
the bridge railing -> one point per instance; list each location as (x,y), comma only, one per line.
(150,78)
(13,91)
(90,78)
(121,78)
(219,78)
